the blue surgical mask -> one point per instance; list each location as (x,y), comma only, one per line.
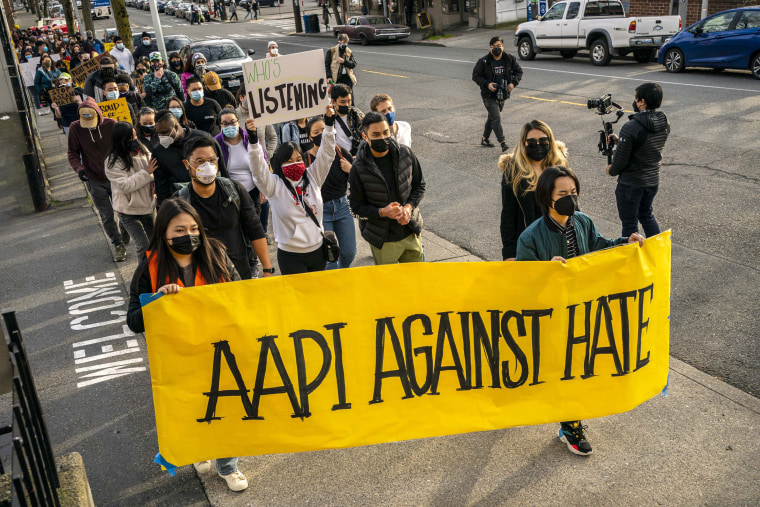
(391,117)
(112,95)
(45,49)
(177,112)
(120,46)
(230,132)
(146,43)
(196,95)
(66,40)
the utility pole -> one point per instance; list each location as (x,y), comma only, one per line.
(159,31)
(704,11)
(297,14)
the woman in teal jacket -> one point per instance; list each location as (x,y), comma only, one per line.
(561,234)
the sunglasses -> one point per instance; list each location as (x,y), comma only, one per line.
(543,141)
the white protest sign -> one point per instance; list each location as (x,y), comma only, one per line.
(29,69)
(286,88)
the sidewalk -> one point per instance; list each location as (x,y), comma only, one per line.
(696,446)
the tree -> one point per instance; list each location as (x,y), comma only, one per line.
(87,14)
(68,11)
(335,11)
(121,17)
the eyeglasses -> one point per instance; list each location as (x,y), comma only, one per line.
(200,161)
(164,133)
(230,124)
(543,141)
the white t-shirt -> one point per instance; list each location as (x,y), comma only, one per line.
(239,165)
(341,139)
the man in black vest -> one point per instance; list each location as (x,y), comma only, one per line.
(386,189)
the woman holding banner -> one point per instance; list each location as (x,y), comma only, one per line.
(295,196)
(181,255)
(562,233)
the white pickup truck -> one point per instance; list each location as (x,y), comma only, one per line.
(599,26)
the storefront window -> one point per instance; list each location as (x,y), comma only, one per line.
(450,6)
(471,6)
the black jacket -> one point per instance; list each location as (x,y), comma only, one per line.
(93,86)
(639,149)
(143,51)
(171,169)
(369,191)
(482,73)
(517,213)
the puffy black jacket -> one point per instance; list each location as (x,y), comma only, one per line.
(369,191)
(482,73)
(639,149)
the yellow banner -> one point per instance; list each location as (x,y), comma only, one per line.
(116,109)
(386,353)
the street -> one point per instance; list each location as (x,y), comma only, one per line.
(708,196)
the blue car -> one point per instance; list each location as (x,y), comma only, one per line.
(727,40)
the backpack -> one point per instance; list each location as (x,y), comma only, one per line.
(227,186)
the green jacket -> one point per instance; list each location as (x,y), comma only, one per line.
(539,243)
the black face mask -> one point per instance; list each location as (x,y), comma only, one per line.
(134,146)
(496,52)
(317,140)
(343,109)
(635,107)
(107,72)
(141,71)
(567,205)
(380,145)
(176,64)
(537,152)
(187,244)
(156,67)
(148,129)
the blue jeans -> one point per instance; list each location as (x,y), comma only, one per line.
(226,466)
(336,217)
(634,207)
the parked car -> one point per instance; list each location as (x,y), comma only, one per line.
(599,26)
(52,24)
(368,29)
(172,42)
(170,6)
(726,40)
(180,10)
(224,57)
(108,33)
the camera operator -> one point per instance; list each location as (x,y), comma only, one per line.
(637,160)
(497,74)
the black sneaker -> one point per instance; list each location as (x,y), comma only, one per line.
(504,146)
(120,253)
(571,433)
(487,143)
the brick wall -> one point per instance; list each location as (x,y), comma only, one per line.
(693,10)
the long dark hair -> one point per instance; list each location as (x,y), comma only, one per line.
(121,137)
(210,257)
(183,119)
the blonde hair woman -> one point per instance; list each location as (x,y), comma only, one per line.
(522,167)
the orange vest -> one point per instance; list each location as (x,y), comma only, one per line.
(153,268)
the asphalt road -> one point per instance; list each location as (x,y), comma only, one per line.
(709,179)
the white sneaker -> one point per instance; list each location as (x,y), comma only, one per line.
(202,467)
(236,481)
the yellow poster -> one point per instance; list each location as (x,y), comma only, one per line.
(108,46)
(116,109)
(378,354)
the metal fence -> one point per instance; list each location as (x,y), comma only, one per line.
(33,473)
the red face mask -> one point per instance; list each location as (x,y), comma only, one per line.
(294,170)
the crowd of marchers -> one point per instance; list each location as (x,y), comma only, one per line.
(192,181)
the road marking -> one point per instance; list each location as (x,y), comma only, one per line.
(384,74)
(537,98)
(584,74)
(97,298)
(572,103)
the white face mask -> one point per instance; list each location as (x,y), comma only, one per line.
(274,51)
(206,173)
(165,141)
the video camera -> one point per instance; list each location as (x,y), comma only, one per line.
(502,92)
(605,106)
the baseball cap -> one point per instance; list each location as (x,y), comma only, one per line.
(155,55)
(64,75)
(212,81)
(271,43)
